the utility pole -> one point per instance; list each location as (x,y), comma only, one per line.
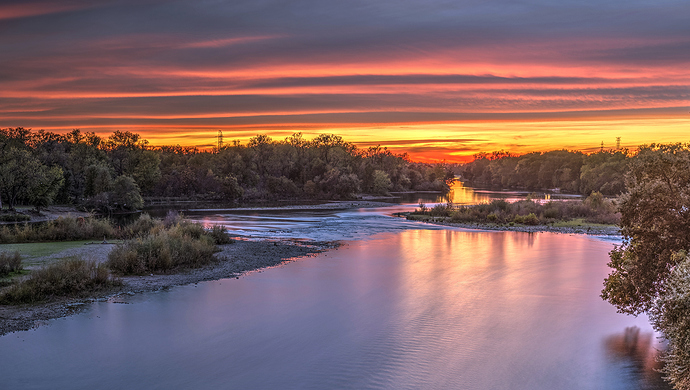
(220,140)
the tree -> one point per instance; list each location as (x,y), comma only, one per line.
(126,194)
(670,316)
(650,270)
(47,183)
(655,223)
(24,177)
(146,171)
(98,178)
(381,183)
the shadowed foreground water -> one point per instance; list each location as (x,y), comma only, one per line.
(433,309)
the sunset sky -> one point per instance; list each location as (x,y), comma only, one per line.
(441,80)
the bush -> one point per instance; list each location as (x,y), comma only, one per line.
(220,235)
(531,219)
(142,226)
(10,262)
(184,245)
(552,212)
(71,277)
(441,210)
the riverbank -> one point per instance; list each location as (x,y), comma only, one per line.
(233,261)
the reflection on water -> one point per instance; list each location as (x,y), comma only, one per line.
(639,352)
(411,309)
(463,195)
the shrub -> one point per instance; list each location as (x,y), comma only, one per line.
(70,277)
(552,212)
(184,245)
(142,226)
(441,210)
(10,262)
(220,236)
(500,204)
(531,219)
(171,218)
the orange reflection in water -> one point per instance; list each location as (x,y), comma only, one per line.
(639,349)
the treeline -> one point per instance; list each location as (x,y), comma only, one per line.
(569,171)
(114,173)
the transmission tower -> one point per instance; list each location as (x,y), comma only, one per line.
(602,146)
(618,143)
(220,140)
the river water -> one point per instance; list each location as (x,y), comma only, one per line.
(399,306)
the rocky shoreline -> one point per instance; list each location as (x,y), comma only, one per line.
(585,229)
(234,260)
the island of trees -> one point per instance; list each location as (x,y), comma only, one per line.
(568,171)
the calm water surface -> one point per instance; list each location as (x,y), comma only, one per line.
(397,307)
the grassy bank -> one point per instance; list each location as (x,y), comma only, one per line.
(149,246)
(61,229)
(595,211)
(69,278)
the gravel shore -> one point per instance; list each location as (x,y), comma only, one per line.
(233,260)
(589,230)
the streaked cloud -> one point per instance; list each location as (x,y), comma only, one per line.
(433,78)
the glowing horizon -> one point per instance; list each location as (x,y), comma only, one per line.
(439,81)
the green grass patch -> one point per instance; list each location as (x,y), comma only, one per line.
(40,249)
(579,222)
(10,217)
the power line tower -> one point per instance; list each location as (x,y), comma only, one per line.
(618,143)
(602,146)
(220,140)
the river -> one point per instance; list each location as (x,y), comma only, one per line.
(400,305)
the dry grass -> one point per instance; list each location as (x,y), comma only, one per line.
(68,278)
(183,245)
(10,262)
(61,229)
